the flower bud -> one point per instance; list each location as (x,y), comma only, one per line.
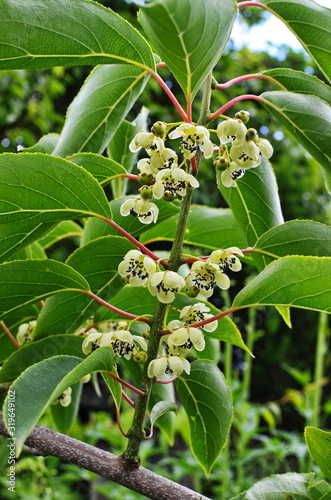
(146,192)
(159,129)
(251,134)
(168,196)
(221,163)
(192,291)
(242,115)
(140,357)
(145,178)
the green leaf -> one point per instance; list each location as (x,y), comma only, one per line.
(160,409)
(164,392)
(296,237)
(310,23)
(46,144)
(118,148)
(308,118)
(280,487)
(95,228)
(41,278)
(255,203)
(40,384)
(114,387)
(18,235)
(139,301)
(210,228)
(190,36)
(319,445)
(295,281)
(97,261)
(320,491)
(39,350)
(78,33)
(206,398)
(99,107)
(302,83)
(39,188)
(65,229)
(33,251)
(103,169)
(64,417)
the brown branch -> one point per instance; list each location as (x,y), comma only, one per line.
(43,442)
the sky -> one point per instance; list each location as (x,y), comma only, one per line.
(268,35)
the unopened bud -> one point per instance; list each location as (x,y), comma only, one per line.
(159,129)
(251,134)
(85,379)
(147,333)
(140,357)
(221,163)
(192,291)
(146,192)
(242,115)
(145,178)
(168,196)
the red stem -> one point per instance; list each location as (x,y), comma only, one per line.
(159,381)
(127,399)
(115,309)
(41,303)
(243,78)
(161,65)
(169,94)
(126,384)
(118,419)
(228,105)
(10,335)
(251,4)
(135,242)
(194,165)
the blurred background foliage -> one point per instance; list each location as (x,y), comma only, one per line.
(267,433)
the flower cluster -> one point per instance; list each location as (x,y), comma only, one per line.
(205,275)
(246,150)
(161,167)
(180,340)
(122,342)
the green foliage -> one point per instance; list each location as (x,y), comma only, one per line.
(178,33)
(319,445)
(209,424)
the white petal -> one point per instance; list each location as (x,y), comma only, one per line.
(222,280)
(166,298)
(186,365)
(157,278)
(127,206)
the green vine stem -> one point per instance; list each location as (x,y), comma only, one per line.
(136,434)
(321,350)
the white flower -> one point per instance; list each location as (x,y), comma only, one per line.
(231,174)
(146,140)
(165,284)
(196,313)
(123,343)
(26,332)
(265,148)
(225,259)
(183,339)
(95,340)
(137,268)
(231,131)
(170,365)
(173,180)
(146,211)
(65,398)
(161,159)
(192,137)
(246,154)
(205,276)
